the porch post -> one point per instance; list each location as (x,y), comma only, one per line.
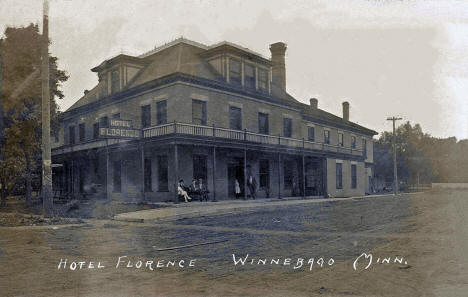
(176,174)
(303,170)
(107,174)
(279,175)
(142,150)
(214,173)
(245,174)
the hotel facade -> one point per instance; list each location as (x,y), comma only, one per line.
(220,113)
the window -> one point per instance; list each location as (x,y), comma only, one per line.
(200,168)
(287,127)
(117,176)
(264,173)
(263,126)
(162,174)
(288,168)
(148,176)
(235,118)
(71,135)
(56,136)
(339,176)
(353,141)
(104,122)
(364,147)
(262,80)
(95,130)
(249,76)
(198,112)
(161,112)
(116,116)
(340,139)
(234,72)
(353,176)
(145,116)
(115,81)
(326,136)
(82,132)
(311,133)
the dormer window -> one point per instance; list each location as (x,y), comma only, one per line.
(234,72)
(262,80)
(115,81)
(249,76)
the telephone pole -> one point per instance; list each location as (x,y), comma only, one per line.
(395,173)
(47,203)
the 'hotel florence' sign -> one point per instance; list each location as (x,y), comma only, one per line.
(120,129)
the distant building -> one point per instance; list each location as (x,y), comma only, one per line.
(220,113)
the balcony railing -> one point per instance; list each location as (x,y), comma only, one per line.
(216,132)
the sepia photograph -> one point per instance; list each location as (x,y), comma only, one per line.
(234,148)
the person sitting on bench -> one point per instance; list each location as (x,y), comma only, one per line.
(182,191)
(194,189)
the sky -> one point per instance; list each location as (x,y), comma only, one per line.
(386,58)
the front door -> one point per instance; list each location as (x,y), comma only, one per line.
(313,177)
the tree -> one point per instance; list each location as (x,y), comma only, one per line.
(20,52)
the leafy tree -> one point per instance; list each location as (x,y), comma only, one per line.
(20,52)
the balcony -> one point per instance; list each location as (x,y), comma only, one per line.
(245,136)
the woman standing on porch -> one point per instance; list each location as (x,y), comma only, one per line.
(237,189)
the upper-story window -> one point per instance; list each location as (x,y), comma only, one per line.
(249,76)
(235,118)
(161,112)
(82,129)
(262,80)
(364,147)
(326,136)
(340,139)
(287,127)
(71,135)
(353,141)
(234,72)
(145,116)
(95,130)
(115,81)
(311,133)
(104,122)
(198,112)
(263,125)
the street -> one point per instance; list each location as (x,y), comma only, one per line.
(194,256)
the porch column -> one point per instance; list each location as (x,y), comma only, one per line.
(303,176)
(107,174)
(245,174)
(279,176)
(214,174)
(142,150)
(176,174)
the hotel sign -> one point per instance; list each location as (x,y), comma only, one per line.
(117,123)
(120,129)
(120,133)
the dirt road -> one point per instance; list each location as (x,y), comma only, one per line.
(429,231)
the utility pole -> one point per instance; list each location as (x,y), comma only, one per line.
(47,203)
(395,174)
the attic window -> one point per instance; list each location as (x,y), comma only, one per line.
(115,81)
(235,72)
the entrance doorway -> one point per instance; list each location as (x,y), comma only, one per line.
(314,177)
(235,171)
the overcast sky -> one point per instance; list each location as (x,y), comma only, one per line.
(384,57)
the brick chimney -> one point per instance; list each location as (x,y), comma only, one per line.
(313,103)
(278,51)
(346,111)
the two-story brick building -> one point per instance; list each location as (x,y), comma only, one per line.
(186,110)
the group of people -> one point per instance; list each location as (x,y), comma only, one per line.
(196,189)
(251,184)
